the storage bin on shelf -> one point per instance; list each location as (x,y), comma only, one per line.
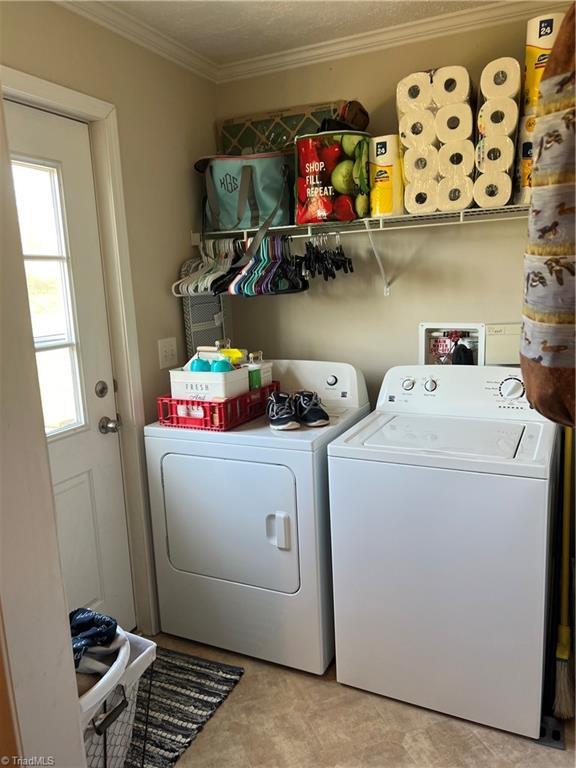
(191,385)
(214,415)
(107,709)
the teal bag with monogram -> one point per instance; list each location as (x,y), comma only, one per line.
(247,191)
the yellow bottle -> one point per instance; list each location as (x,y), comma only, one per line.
(386,182)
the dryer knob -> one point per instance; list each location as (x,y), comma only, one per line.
(430,385)
(332,380)
(408,384)
(512,388)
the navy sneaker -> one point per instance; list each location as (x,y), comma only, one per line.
(309,409)
(281,411)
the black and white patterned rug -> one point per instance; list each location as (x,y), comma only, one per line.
(186,691)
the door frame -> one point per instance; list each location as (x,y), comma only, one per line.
(101,117)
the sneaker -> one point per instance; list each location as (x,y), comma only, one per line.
(281,411)
(309,409)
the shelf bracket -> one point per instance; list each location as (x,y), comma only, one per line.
(377,257)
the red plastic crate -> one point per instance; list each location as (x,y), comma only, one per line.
(214,416)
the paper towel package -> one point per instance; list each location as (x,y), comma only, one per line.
(456,159)
(498,116)
(492,190)
(421,196)
(455,194)
(501,78)
(414,92)
(386,181)
(417,128)
(541,34)
(523,170)
(494,153)
(450,85)
(454,122)
(420,163)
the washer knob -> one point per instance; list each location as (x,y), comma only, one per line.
(430,385)
(332,380)
(408,384)
(512,388)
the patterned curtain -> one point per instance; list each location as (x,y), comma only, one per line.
(548,337)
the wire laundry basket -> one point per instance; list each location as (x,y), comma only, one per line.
(206,317)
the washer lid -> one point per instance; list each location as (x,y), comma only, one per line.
(505,447)
(445,435)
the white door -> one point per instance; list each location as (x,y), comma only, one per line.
(52,171)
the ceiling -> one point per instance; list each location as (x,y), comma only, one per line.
(225,40)
(229,32)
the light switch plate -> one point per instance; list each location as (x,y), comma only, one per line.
(167,353)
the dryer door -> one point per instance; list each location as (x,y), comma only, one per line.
(232,520)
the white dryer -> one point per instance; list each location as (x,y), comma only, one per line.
(241,526)
(440,511)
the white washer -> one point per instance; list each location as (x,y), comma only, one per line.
(440,511)
(241,526)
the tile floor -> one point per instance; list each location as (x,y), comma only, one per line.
(280,718)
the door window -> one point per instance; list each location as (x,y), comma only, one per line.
(46,259)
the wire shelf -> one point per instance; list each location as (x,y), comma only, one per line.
(440,218)
(382,224)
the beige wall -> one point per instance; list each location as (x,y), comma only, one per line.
(463,273)
(468,273)
(165,116)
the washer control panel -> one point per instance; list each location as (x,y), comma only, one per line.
(471,390)
(409,383)
(512,388)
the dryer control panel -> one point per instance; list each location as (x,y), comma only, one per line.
(337,383)
(459,390)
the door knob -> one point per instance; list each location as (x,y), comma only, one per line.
(106,425)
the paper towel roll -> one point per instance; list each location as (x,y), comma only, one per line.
(412,91)
(501,78)
(450,85)
(492,190)
(541,34)
(494,153)
(386,182)
(421,196)
(454,123)
(455,194)
(498,116)
(417,128)
(421,163)
(456,159)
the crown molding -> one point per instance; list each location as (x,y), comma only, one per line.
(381,39)
(489,15)
(113,18)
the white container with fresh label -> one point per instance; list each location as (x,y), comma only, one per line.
(189,385)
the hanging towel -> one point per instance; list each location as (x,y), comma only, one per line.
(89,629)
(548,337)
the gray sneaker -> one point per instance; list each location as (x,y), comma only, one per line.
(281,411)
(309,409)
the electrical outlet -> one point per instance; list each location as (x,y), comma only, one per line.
(167,353)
